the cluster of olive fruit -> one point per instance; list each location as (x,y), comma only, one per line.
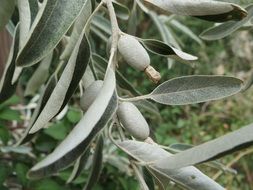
(128,114)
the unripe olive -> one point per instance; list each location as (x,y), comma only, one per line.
(90,94)
(133,121)
(133,52)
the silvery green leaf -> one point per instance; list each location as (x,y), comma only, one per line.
(186,30)
(25,23)
(225,29)
(25,20)
(195,89)
(102,23)
(204,9)
(95,119)
(166,50)
(226,144)
(16,149)
(103,36)
(67,83)
(53,20)
(96,164)
(79,165)
(122,11)
(6,10)
(178,147)
(77,29)
(7,89)
(41,104)
(166,34)
(133,20)
(39,76)
(189,177)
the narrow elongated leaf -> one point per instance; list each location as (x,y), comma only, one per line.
(166,50)
(225,29)
(39,76)
(25,22)
(204,9)
(102,23)
(6,10)
(195,89)
(34,8)
(96,164)
(234,141)
(176,148)
(166,34)
(96,117)
(41,104)
(7,89)
(186,30)
(67,83)
(122,12)
(77,29)
(52,22)
(79,165)
(189,177)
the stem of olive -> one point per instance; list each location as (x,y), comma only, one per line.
(115,33)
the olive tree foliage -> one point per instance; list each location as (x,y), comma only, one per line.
(58,35)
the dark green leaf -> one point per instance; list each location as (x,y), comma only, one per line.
(7,89)
(4,134)
(57,131)
(166,50)
(74,115)
(5,171)
(48,184)
(234,141)
(96,164)
(79,166)
(51,23)
(21,170)
(34,8)
(10,115)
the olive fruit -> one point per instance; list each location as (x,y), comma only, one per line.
(133,52)
(90,94)
(133,121)
(136,56)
